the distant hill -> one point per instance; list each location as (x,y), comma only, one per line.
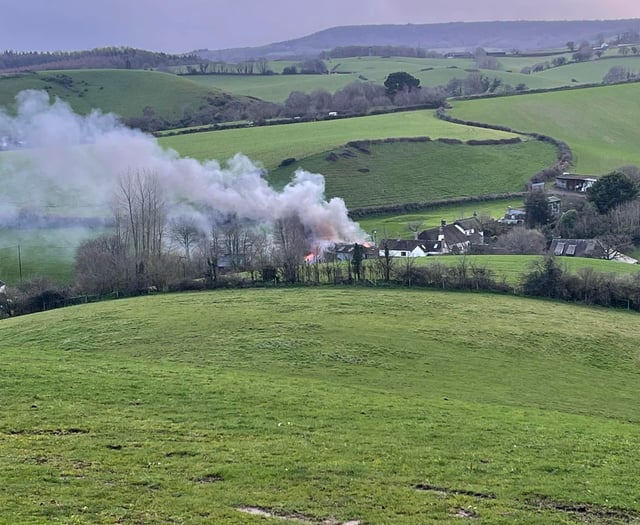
(102,58)
(522,35)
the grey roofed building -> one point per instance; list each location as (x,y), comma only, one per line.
(453,238)
(576,248)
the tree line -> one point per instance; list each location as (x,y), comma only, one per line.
(106,57)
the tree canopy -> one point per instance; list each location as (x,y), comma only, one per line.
(612,189)
(400,81)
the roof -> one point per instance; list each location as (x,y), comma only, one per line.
(576,248)
(567,176)
(455,233)
(405,245)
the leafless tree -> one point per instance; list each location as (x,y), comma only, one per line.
(185,231)
(522,241)
(415,227)
(291,246)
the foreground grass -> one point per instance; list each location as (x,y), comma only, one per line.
(270,145)
(320,403)
(600,124)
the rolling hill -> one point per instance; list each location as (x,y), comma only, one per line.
(321,405)
(123,92)
(599,124)
(524,35)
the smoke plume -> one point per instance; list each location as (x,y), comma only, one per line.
(62,163)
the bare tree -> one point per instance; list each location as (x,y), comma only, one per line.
(415,227)
(185,231)
(522,241)
(291,245)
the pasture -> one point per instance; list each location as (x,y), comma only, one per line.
(270,145)
(124,92)
(400,172)
(599,124)
(322,405)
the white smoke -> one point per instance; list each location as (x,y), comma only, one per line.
(73,162)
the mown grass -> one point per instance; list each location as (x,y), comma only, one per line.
(600,124)
(124,92)
(319,403)
(270,145)
(400,172)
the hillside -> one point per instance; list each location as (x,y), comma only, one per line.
(270,145)
(323,405)
(523,35)
(383,174)
(124,92)
(599,124)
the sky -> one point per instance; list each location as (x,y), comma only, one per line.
(178,26)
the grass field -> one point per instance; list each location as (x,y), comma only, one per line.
(46,253)
(270,145)
(600,124)
(512,267)
(432,72)
(400,172)
(325,405)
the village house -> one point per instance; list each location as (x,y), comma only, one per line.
(402,248)
(454,238)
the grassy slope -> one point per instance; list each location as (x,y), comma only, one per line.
(600,124)
(587,72)
(321,402)
(119,91)
(419,172)
(271,144)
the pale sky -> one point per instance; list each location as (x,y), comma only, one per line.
(186,25)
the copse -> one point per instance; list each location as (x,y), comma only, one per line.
(400,81)
(611,190)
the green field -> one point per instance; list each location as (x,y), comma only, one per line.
(270,145)
(400,172)
(325,405)
(600,124)
(589,72)
(512,267)
(123,92)
(392,226)
(432,72)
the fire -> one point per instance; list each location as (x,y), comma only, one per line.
(309,258)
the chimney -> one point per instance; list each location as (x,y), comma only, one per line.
(443,223)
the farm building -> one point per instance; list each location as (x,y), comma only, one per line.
(576,248)
(592,248)
(577,183)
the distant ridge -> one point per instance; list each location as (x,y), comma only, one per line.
(522,35)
